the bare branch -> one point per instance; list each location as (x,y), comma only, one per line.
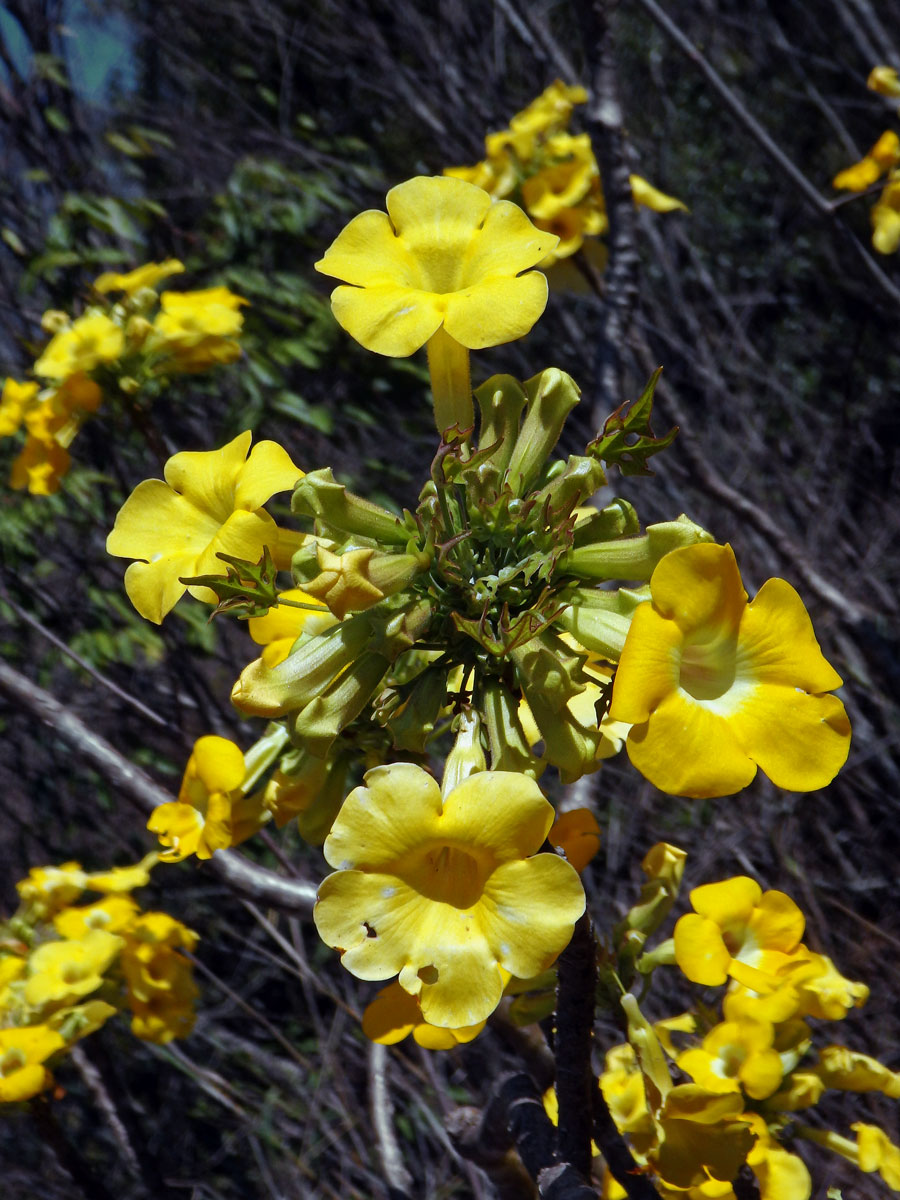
(236,872)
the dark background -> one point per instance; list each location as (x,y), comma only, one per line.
(240,138)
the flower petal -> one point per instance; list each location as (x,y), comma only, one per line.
(777,643)
(503,811)
(436,219)
(396,811)
(698,587)
(700,952)
(268,470)
(729,902)
(368,253)
(648,670)
(387,318)
(686,750)
(496,311)
(218,763)
(208,478)
(799,741)
(506,244)
(529,911)
(156,522)
(155,588)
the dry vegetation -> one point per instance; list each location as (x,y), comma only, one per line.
(776,327)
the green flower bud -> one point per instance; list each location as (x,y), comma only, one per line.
(501,400)
(320,496)
(551,397)
(617,520)
(322,719)
(600,620)
(263,691)
(413,723)
(508,744)
(633,558)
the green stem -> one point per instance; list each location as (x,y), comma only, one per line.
(451,386)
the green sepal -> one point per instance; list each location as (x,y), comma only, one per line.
(247,589)
(508,744)
(627,439)
(413,724)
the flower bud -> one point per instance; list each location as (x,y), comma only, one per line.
(633,558)
(501,400)
(320,496)
(551,397)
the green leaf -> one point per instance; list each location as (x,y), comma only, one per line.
(627,439)
(57,119)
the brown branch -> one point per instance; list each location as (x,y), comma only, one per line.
(577,981)
(604,123)
(618,1158)
(381,1110)
(236,872)
(739,110)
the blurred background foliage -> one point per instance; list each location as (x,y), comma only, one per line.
(239,138)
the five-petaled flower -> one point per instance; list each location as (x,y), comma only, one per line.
(210,502)
(446,894)
(211,812)
(715,687)
(444,255)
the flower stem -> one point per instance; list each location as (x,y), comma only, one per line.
(451,386)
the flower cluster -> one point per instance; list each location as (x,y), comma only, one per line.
(882,163)
(113,352)
(552,173)
(700,1093)
(66,968)
(509,622)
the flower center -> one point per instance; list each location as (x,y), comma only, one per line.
(708,667)
(449,875)
(13,1060)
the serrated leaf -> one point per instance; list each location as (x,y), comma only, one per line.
(627,439)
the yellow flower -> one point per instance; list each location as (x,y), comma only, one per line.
(113,913)
(564,183)
(780,1174)
(736,1055)
(850,1071)
(211,501)
(89,341)
(886,219)
(737,930)
(883,156)
(41,467)
(209,813)
(716,687)
(22,1054)
(884,81)
(577,833)
(60,972)
(394,1014)
(199,328)
(878,1153)
(646,194)
(15,401)
(46,890)
(161,990)
(446,893)
(444,256)
(821,991)
(146,276)
(119,880)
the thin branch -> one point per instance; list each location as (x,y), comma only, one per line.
(738,109)
(382,1111)
(236,872)
(577,974)
(604,123)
